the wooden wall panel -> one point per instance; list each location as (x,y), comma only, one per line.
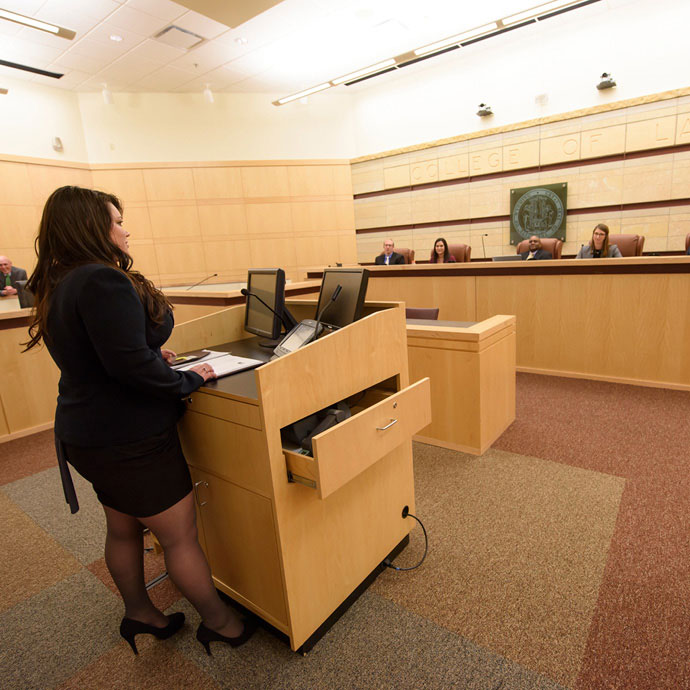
(128,185)
(269,181)
(169,184)
(190,220)
(218,183)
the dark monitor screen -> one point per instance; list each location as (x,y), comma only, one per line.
(25,296)
(350,302)
(269,285)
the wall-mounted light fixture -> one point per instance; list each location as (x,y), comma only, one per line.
(484,110)
(532,15)
(37,24)
(107,95)
(208,94)
(606,81)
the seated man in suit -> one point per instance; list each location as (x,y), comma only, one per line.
(9,275)
(535,252)
(389,256)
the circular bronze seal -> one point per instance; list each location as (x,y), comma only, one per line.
(538,212)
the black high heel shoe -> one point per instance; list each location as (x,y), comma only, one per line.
(206,635)
(129,628)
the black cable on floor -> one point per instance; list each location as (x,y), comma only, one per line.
(388,563)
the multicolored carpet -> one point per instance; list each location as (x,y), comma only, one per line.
(559,559)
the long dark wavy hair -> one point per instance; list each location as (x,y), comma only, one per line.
(74,231)
(446,252)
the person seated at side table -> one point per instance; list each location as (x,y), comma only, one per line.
(9,275)
(535,253)
(389,256)
(440,254)
(599,246)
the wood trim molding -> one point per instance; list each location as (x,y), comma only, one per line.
(607,379)
(7,158)
(625,265)
(27,432)
(559,117)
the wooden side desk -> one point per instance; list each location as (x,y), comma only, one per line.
(294,551)
(472,373)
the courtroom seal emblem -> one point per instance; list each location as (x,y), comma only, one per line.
(538,212)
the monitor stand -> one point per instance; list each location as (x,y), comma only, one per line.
(272,344)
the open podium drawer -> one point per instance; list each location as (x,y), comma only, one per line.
(347,449)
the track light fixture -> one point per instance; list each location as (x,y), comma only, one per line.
(606,82)
(537,13)
(59,31)
(484,110)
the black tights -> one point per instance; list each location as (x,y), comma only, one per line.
(175,529)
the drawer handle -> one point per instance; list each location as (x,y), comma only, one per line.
(196,485)
(388,426)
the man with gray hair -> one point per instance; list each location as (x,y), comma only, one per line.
(9,275)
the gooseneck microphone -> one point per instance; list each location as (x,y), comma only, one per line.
(203,280)
(333,298)
(486,234)
(246,293)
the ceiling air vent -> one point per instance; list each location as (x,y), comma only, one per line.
(178,38)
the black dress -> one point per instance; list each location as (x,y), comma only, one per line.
(118,401)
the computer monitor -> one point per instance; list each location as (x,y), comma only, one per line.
(349,304)
(25,296)
(267,284)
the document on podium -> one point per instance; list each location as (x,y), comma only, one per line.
(223,363)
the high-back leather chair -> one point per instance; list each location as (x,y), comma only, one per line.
(461,252)
(408,254)
(687,242)
(421,313)
(629,245)
(548,244)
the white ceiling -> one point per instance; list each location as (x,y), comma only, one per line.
(289,47)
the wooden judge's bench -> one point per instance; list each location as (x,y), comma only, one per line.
(290,537)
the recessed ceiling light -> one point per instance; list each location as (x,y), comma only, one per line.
(115,37)
(241,40)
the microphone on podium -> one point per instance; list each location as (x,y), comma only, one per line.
(333,298)
(203,280)
(246,293)
(486,234)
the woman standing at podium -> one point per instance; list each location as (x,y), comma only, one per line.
(118,406)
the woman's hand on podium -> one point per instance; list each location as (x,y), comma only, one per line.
(205,371)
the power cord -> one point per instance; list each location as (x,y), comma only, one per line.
(387,562)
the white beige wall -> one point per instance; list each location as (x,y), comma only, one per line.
(642,42)
(150,127)
(31,115)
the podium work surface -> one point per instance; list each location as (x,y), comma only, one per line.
(295,551)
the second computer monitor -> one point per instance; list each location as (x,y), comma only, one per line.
(269,285)
(349,304)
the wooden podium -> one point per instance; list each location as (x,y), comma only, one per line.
(292,537)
